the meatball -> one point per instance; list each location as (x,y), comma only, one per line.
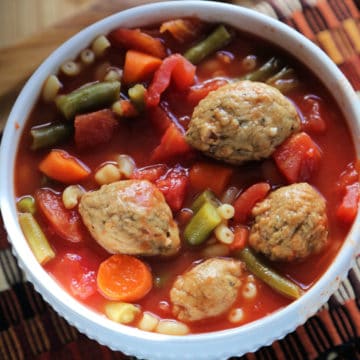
(208,289)
(242,121)
(290,224)
(130,217)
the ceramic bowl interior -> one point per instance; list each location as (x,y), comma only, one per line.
(215,345)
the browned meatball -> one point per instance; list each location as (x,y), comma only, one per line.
(242,121)
(208,289)
(130,217)
(290,224)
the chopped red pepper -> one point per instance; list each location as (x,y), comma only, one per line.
(138,40)
(198,92)
(150,173)
(66,223)
(298,157)
(247,200)
(347,210)
(95,128)
(174,186)
(172,144)
(175,67)
(314,120)
(241,234)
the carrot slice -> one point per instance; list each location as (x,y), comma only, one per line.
(204,175)
(138,40)
(60,165)
(124,278)
(139,66)
(247,199)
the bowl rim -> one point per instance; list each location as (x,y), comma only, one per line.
(120,337)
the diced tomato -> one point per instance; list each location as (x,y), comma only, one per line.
(174,186)
(79,277)
(298,157)
(159,119)
(95,128)
(247,200)
(174,67)
(204,175)
(348,177)
(347,210)
(137,40)
(199,91)
(172,144)
(66,223)
(150,173)
(313,118)
(241,234)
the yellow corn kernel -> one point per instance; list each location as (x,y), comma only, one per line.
(121,312)
(172,327)
(99,45)
(51,88)
(148,322)
(71,196)
(107,174)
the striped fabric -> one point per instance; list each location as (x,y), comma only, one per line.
(30,329)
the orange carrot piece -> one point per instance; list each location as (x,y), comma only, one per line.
(241,234)
(204,175)
(247,199)
(348,208)
(139,66)
(60,165)
(183,29)
(124,278)
(127,108)
(138,40)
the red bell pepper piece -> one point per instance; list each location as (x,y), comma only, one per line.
(66,223)
(135,39)
(175,67)
(347,210)
(198,92)
(247,200)
(150,173)
(298,157)
(174,186)
(94,128)
(172,144)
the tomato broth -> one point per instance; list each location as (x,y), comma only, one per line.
(76,264)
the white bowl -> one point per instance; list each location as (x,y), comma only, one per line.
(214,345)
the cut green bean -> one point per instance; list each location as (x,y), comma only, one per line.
(88,98)
(284,80)
(265,71)
(279,283)
(215,41)
(205,196)
(26,204)
(137,96)
(49,135)
(202,224)
(36,238)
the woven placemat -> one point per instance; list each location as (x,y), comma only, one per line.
(30,329)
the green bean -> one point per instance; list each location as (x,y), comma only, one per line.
(215,41)
(36,238)
(88,98)
(279,283)
(202,224)
(137,96)
(49,135)
(205,196)
(26,204)
(284,80)
(265,71)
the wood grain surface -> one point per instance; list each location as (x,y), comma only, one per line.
(18,61)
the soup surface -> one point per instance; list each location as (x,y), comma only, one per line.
(187,219)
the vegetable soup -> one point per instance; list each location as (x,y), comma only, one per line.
(185,177)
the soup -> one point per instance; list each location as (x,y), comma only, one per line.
(214,186)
